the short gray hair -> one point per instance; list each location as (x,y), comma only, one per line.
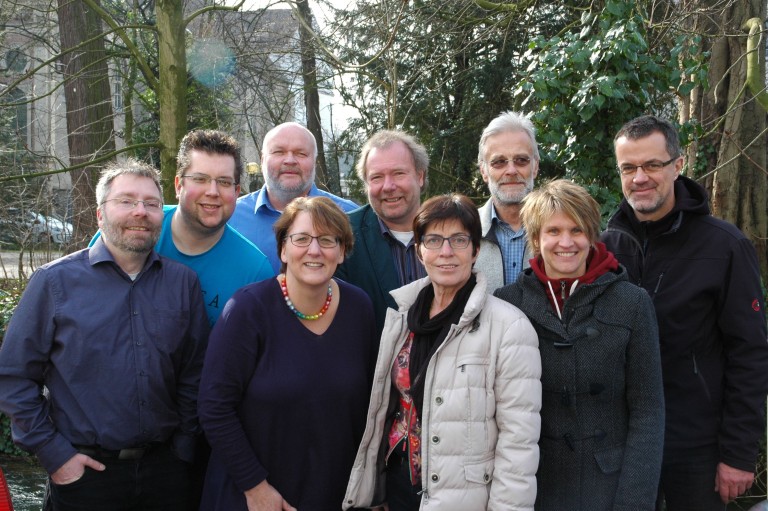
(129,166)
(507,122)
(385,138)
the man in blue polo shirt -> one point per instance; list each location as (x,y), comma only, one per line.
(288,156)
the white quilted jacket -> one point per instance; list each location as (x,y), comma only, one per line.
(480,422)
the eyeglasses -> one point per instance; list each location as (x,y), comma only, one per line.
(649,167)
(517,161)
(435,241)
(304,240)
(126,204)
(204,179)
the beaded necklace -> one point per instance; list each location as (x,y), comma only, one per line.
(309,317)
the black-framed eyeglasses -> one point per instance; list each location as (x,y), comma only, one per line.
(205,180)
(435,241)
(127,204)
(649,167)
(517,161)
(302,239)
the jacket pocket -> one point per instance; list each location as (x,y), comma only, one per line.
(480,472)
(609,460)
(472,370)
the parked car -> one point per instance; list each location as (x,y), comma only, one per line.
(18,225)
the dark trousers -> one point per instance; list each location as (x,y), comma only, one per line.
(401,494)
(157,482)
(688,481)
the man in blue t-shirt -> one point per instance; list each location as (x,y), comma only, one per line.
(195,232)
(288,156)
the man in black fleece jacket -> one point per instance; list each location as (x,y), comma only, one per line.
(703,276)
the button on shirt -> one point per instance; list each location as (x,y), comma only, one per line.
(512,245)
(254,216)
(121,359)
(407,263)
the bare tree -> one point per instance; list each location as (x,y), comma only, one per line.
(89,106)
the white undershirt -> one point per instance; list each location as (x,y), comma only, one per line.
(403,237)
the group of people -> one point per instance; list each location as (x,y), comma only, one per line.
(288,350)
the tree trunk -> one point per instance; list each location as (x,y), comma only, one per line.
(172,89)
(312,99)
(736,149)
(90,123)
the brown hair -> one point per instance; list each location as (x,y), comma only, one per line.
(327,218)
(453,206)
(210,142)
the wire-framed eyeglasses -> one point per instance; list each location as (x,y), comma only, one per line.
(128,204)
(649,167)
(205,180)
(502,163)
(302,239)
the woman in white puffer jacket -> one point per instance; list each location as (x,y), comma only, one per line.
(453,421)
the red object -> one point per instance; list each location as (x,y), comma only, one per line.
(5,494)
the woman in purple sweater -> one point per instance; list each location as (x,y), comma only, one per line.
(286,379)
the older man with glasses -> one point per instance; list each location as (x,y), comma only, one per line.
(703,277)
(508,158)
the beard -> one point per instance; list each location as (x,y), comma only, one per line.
(508,198)
(114,233)
(287,193)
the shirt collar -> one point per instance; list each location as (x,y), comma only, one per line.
(99,253)
(262,198)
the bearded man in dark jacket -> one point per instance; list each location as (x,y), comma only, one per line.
(703,276)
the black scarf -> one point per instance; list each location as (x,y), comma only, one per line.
(429,333)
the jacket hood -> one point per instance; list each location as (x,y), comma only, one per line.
(690,197)
(599,262)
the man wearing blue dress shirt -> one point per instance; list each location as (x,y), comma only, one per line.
(288,158)
(115,334)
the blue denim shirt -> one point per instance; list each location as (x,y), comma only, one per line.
(121,359)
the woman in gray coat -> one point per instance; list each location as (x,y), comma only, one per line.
(602,417)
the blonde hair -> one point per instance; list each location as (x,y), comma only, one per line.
(560,196)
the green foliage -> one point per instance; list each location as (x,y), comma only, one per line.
(450,70)
(9,298)
(584,85)
(581,70)
(7,446)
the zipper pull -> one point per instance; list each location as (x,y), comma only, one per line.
(562,289)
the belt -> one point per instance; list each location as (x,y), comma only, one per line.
(133,453)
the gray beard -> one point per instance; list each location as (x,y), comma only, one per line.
(507,199)
(286,194)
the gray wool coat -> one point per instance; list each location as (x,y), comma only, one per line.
(602,416)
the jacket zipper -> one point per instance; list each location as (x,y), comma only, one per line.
(658,285)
